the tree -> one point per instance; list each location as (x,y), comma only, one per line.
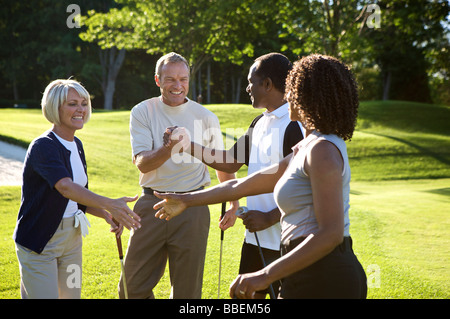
(110,56)
(40,45)
(410,39)
(111,61)
(15,43)
(327,27)
(35,41)
(408,56)
(411,31)
(198,29)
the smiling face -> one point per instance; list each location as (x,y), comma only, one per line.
(72,115)
(173,83)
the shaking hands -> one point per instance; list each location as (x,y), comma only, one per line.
(177,139)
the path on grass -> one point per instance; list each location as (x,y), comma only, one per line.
(11,164)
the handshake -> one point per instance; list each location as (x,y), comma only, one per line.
(177,139)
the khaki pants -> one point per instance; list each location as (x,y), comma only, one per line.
(182,241)
(56,272)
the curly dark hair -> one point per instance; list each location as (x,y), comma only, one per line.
(322,94)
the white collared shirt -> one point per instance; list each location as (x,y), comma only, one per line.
(267,149)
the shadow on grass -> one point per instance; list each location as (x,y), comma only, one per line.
(439,157)
(440,191)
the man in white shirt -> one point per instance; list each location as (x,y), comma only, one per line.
(268,140)
(181,241)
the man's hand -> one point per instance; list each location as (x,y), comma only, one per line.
(177,139)
(255,220)
(229,218)
(171,205)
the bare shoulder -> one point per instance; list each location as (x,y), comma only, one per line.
(323,156)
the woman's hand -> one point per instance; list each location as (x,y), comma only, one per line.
(117,207)
(246,285)
(116,227)
(122,213)
(172,205)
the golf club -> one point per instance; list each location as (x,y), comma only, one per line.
(119,248)
(240,213)
(221,248)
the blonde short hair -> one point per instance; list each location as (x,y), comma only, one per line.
(171,57)
(55,95)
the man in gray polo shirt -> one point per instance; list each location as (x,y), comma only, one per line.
(182,240)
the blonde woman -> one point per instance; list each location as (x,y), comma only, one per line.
(55,198)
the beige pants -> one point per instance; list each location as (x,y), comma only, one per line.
(56,272)
(182,241)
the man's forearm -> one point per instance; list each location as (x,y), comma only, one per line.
(220,160)
(148,161)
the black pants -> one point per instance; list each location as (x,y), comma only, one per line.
(339,275)
(251,262)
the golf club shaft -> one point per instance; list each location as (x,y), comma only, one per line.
(221,248)
(119,248)
(272,292)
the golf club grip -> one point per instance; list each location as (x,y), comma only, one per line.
(119,247)
(224,207)
(118,241)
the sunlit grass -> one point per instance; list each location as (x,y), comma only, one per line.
(400,199)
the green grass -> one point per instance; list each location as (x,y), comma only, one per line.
(403,228)
(400,199)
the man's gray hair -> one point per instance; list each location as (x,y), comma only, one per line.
(171,57)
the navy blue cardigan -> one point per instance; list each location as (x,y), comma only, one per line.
(42,206)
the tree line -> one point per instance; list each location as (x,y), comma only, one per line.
(398,49)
